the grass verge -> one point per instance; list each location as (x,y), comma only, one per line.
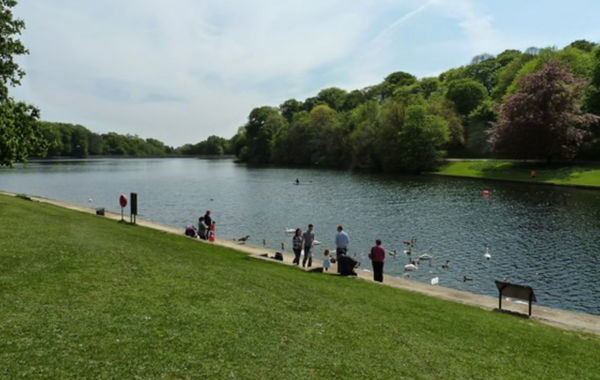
(560,174)
(83,297)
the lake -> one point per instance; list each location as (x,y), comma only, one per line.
(543,236)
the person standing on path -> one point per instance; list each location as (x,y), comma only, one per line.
(309,240)
(207,219)
(297,246)
(341,242)
(377,257)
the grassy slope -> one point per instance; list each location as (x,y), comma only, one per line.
(83,297)
(588,175)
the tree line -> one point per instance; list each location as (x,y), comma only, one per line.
(70,140)
(539,103)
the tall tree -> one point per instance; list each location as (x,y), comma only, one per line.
(543,119)
(20,132)
(466,94)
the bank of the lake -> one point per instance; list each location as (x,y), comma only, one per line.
(578,175)
(93,298)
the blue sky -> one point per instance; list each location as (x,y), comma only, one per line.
(183,70)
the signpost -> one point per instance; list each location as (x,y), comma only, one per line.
(123,203)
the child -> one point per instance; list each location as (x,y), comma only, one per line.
(326,261)
(211,232)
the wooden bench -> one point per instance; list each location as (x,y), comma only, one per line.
(506,289)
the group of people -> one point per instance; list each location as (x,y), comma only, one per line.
(304,241)
(207,227)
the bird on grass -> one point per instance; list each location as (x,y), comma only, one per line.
(244,239)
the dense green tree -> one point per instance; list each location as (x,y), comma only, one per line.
(507,75)
(421,137)
(333,97)
(508,56)
(583,45)
(466,94)
(480,121)
(364,121)
(289,108)
(543,119)
(485,72)
(20,132)
(260,129)
(354,99)
(426,87)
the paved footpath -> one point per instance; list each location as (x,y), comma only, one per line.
(567,320)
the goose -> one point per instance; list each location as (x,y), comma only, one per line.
(408,251)
(282,247)
(244,239)
(446,265)
(290,231)
(264,242)
(467,278)
(487,254)
(391,253)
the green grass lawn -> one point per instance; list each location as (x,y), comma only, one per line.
(587,175)
(83,297)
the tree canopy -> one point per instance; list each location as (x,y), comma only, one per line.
(543,119)
(20,134)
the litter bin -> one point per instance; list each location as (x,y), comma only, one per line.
(100,211)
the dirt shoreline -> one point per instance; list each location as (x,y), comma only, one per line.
(566,320)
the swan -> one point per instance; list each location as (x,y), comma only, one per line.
(413,266)
(290,231)
(427,256)
(316,242)
(487,254)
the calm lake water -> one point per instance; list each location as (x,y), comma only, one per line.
(546,237)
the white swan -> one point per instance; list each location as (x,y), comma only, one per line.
(316,242)
(487,254)
(427,256)
(290,231)
(412,266)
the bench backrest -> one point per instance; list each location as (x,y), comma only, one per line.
(515,291)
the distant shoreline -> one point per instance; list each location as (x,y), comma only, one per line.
(208,157)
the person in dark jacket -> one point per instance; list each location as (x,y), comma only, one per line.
(202,229)
(207,218)
(377,257)
(346,265)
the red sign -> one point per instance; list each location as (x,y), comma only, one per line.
(123,200)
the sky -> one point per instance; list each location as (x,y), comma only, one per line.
(183,70)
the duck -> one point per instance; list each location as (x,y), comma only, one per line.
(446,265)
(244,239)
(408,251)
(487,255)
